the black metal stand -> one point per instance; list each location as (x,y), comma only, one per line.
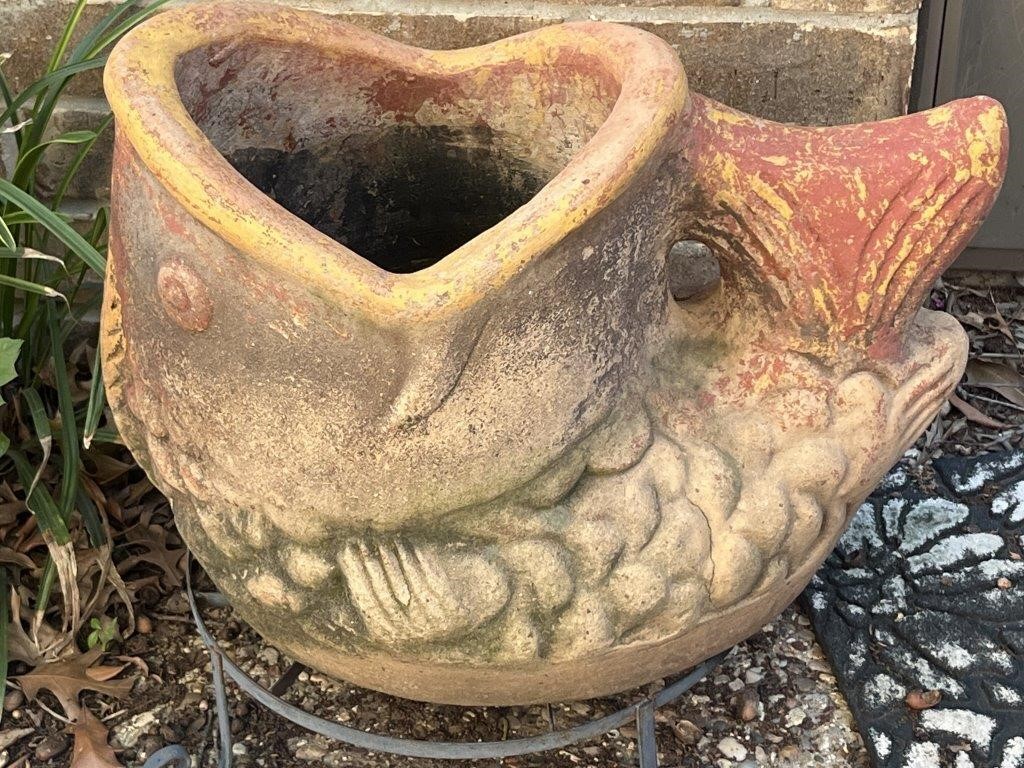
(642,712)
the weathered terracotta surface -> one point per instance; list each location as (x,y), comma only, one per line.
(520,472)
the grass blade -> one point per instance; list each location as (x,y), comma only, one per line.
(43,83)
(30,287)
(107,435)
(40,503)
(69,428)
(55,224)
(29,159)
(18,218)
(7,237)
(4,621)
(90,516)
(76,163)
(97,402)
(128,23)
(41,425)
(65,38)
(88,44)
(29,253)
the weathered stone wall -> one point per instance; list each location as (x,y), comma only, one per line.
(807,61)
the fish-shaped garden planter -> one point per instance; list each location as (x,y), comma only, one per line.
(391,328)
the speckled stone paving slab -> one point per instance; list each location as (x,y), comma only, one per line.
(925,592)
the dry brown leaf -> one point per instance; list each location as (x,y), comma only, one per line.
(12,736)
(134,493)
(973,414)
(999,322)
(136,661)
(973,319)
(9,511)
(999,378)
(66,679)
(104,468)
(9,556)
(923,699)
(91,747)
(66,565)
(160,551)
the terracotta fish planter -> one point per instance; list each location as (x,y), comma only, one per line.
(392,330)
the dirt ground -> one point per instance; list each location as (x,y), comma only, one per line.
(773,702)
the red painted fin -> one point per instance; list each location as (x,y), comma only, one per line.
(841,231)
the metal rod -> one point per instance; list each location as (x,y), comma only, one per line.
(223,665)
(173,756)
(646,739)
(223,713)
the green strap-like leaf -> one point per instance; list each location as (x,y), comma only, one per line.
(55,224)
(5,600)
(69,445)
(40,85)
(26,285)
(76,163)
(97,401)
(40,503)
(91,516)
(7,237)
(9,351)
(28,159)
(65,38)
(41,425)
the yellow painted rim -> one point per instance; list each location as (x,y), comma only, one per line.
(140,85)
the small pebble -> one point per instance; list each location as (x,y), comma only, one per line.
(732,749)
(52,746)
(687,732)
(144,625)
(795,717)
(790,752)
(13,700)
(746,705)
(238,749)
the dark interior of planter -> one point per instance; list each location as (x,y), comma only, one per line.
(403,198)
(401,167)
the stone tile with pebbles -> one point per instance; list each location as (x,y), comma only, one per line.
(921,610)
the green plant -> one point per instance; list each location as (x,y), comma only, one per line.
(103,631)
(50,281)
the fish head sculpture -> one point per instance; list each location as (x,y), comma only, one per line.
(392,330)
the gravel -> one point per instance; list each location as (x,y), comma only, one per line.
(773,702)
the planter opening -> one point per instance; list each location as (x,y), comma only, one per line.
(404,197)
(401,167)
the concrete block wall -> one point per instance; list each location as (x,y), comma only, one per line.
(806,61)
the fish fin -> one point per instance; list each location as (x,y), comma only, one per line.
(436,358)
(841,231)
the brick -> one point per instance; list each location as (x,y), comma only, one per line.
(790,71)
(30,30)
(662,3)
(849,6)
(830,6)
(93,177)
(813,67)
(779,64)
